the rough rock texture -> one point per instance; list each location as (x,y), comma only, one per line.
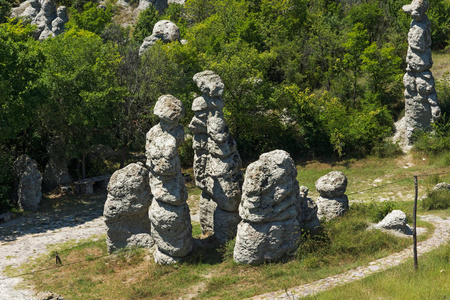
(332,201)
(29,182)
(126,208)
(49,20)
(47,295)
(169,213)
(269,228)
(421,102)
(217,163)
(165,31)
(307,211)
(56,172)
(442,186)
(395,220)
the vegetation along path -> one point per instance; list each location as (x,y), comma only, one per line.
(440,236)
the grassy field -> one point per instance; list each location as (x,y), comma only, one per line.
(431,281)
(89,272)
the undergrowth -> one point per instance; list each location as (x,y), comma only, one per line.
(437,199)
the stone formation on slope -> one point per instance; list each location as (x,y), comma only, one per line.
(421,103)
(332,201)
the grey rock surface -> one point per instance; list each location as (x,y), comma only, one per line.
(332,184)
(395,220)
(217,163)
(169,213)
(29,182)
(269,228)
(421,102)
(307,211)
(56,172)
(126,208)
(165,31)
(442,186)
(330,208)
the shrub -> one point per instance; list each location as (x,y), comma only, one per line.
(437,199)
(6,181)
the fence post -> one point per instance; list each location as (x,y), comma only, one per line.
(414,224)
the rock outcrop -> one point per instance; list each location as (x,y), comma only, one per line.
(217,163)
(126,208)
(56,172)
(29,182)
(395,220)
(307,211)
(421,102)
(332,201)
(50,21)
(269,229)
(165,31)
(169,213)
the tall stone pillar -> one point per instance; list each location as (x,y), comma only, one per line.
(217,163)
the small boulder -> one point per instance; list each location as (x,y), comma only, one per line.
(395,220)
(332,184)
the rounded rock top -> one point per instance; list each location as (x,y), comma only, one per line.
(167,31)
(209,83)
(169,109)
(332,185)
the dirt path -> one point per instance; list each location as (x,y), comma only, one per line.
(440,236)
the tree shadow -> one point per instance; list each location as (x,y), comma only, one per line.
(55,212)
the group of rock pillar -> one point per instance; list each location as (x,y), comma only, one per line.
(217,163)
(146,204)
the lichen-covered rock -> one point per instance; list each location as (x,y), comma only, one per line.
(29,182)
(442,186)
(395,220)
(421,102)
(217,163)
(165,31)
(332,184)
(169,213)
(269,228)
(126,208)
(56,172)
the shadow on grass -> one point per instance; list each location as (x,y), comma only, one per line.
(54,212)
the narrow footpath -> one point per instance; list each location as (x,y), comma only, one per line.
(440,236)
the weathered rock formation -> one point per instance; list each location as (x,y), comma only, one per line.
(169,213)
(165,31)
(29,182)
(126,208)
(395,220)
(56,172)
(421,103)
(217,163)
(269,228)
(442,186)
(332,201)
(49,20)
(307,211)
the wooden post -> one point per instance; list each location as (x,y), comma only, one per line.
(414,224)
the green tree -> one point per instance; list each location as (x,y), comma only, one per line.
(80,74)
(147,20)
(92,18)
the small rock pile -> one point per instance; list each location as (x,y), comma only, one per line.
(165,31)
(126,208)
(332,201)
(421,103)
(169,213)
(217,163)
(28,183)
(269,228)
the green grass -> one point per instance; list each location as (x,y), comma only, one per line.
(431,281)
(88,272)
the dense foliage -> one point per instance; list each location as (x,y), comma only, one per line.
(317,78)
